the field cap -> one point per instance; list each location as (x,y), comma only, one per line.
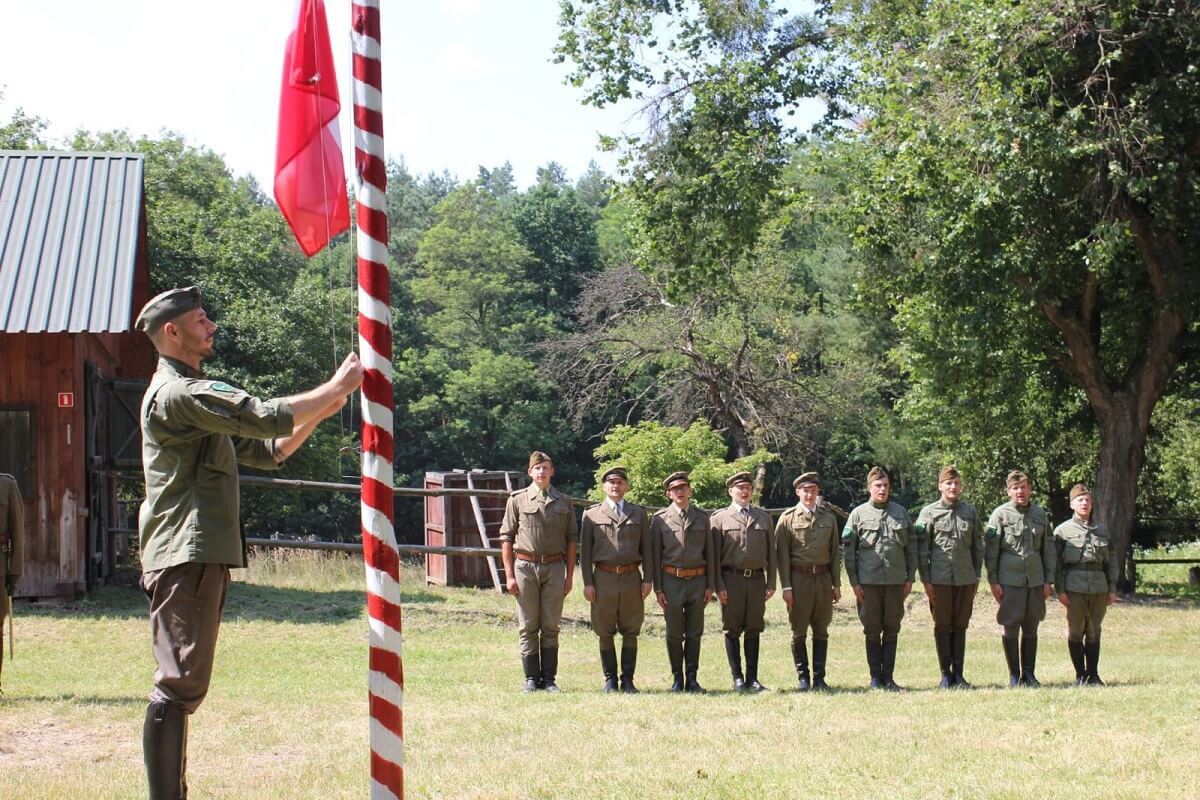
(949,473)
(877,473)
(1079,489)
(1015,477)
(167,306)
(805,477)
(736,478)
(676,478)
(539,457)
(618,471)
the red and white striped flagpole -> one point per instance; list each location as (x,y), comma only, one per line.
(386,676)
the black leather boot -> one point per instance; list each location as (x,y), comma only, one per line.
(875,660)
(675,657)
(549,668)
(942,642)
(1029,661)
(608,663)
(800,659)
(820,651)
(752,683)
(1012,656)
(691,660)
(532,665)
(1077,661)
(733,652)
(1091,656)
(628,667)
(164,734)
(958,653)
(888,666)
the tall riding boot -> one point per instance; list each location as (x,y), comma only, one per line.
(875,660)
(752,664)
(691,660)
(628,667)
(1029,661)
(675,657)
(1012,656)
(1077,661)
(608,663)
(820,651)
(800,658)
(958,653)
(163,735)
(532,664)
(1091,655)
(942,642)
(888,666)
(733,652)
(549,668)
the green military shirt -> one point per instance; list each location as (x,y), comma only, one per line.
(1019,546)
(879,545)
(1086,560)
(949,544)
(607,537)
(807,539)
(538,524)
(194,434)
(12,529)
(682,541)
(743,541)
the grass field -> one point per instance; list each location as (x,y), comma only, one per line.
(286,717)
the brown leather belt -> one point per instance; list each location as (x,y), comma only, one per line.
(813,569)
(617,569)
(548,559)
(745,573)
(683,572)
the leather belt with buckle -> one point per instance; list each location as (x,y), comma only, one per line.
(618,569)
(683,572)
(546,559)
(813,569)
(745,573)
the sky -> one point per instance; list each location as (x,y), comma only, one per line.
(465,82)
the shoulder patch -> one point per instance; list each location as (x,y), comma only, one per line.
(921,527)
(221,386)
(991,533)
(847,532)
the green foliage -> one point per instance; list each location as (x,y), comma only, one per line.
(21,132)
(651,451)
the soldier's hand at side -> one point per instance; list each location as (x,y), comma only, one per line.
(708,593)
(723,597)
(1046,590)
(907,588)
(770,594)
(1062,598)
(511,585)
(662,600)
(1112,598)
(568,582)
(997,592)
(646,587)
(858,593)
(349,374)
(789,599)
(837,593)
(928,591)
(589,593)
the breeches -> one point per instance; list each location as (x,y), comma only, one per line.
(881,610)
(1085,615)
(952,607)
(539,603)
(812,605)
(747,603)
(618,607)
(685,607)
(1021,610)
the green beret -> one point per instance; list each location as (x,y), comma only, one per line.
(949,473)
(620,472)
(539,457)
(675,478)
(807,477)
(167,306)
(1015,477)
(877,473)
(738,477)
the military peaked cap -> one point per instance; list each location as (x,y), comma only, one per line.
(538,457)
(1079,489)
(949,473)
(1015,477)
(167,306)
(877,473)
(736,478)
(676,478)
(807,477)
(618,471)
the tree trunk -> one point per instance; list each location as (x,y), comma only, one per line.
(1122,452)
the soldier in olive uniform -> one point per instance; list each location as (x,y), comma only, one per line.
(195,432)
(880,550)
(745,549)
(12,548)
(1086,583)
(950,558)
(810,570)
(617,566)
(1019,553)
(537,546)
(685,578)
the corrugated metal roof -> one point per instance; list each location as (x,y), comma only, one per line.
(68,240)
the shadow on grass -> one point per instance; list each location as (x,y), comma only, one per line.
(245,602)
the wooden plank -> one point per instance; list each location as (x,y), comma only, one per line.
(483,536)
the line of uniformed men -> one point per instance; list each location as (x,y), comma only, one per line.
(685,555)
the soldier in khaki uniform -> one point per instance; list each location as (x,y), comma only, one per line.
(1019,553)
(745,548)
(195,432)
(1086,582)
(685,578)
(880,550)
(12,548)
(617,565)
(537,546)
(810,570)
(950,558)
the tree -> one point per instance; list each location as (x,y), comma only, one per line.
(22,132)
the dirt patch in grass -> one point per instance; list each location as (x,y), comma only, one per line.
(54,744)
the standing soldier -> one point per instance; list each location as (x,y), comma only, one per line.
(685,578)
(12,548)
(810,570)
(195,432)
(880,549)
(1019,554)
(1086,583)
(743,540)
(950,558)
(537,546)
(617,564)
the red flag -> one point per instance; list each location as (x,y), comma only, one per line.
(310,181)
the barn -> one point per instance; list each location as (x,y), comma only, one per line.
(73,275)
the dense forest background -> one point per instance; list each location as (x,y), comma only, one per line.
(985,254)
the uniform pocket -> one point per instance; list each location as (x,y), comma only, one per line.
(868,532)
